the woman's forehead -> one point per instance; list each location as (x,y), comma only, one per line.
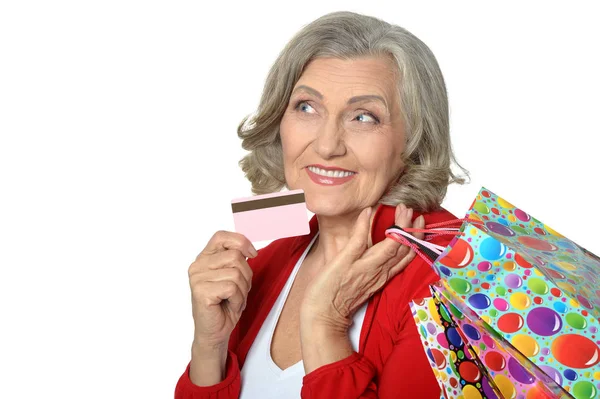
(367,76)
(378,72)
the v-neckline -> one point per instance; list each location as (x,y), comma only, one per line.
(287,288)
(272,293)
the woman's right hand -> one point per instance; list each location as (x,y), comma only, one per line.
(220,280)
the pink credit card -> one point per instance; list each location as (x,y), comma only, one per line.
(271,216)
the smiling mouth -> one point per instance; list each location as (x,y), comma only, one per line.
(330,173)
(330,178)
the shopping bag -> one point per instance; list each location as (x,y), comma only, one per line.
(524,301)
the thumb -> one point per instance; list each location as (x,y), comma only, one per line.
(360,235)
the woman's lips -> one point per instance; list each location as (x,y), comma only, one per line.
(327,180)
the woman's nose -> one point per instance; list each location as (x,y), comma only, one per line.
(330,141)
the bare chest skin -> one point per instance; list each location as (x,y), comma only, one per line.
(285,345)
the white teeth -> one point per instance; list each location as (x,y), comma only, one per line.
(330,173)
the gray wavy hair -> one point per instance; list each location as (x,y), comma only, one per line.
(423,101)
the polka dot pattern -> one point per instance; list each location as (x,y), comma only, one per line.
(524,299)
(468,357)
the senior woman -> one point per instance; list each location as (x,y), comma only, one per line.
(355,113)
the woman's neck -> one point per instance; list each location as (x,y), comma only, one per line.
(334,233)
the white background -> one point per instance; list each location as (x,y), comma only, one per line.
(118,158)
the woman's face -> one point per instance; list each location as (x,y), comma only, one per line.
(343,134)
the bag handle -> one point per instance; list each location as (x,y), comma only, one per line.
(425,249)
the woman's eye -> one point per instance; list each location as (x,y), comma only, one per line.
(367,118)
(303,106)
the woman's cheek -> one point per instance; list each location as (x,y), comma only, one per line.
(303,132)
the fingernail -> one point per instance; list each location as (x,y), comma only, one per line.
(369,211)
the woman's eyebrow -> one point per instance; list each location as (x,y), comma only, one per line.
(367,97)
(355,99)
(309,90)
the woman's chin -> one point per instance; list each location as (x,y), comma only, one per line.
(326,204)
(325,207)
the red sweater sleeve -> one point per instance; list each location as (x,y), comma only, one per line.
(351,377)
(229,388)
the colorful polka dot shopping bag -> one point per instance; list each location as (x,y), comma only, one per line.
(515,313)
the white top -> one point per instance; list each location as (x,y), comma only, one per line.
(260,376)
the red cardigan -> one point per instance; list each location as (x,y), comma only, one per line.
(391,362)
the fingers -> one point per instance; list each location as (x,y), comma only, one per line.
(229,274)
(224,240)
(419,223)
(360,236)
(230,259)
(215,292)
(396,267)
(408,254)
(388,249)
(403,217)
(390,252)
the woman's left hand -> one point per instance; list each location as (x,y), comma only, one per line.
(353,276)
